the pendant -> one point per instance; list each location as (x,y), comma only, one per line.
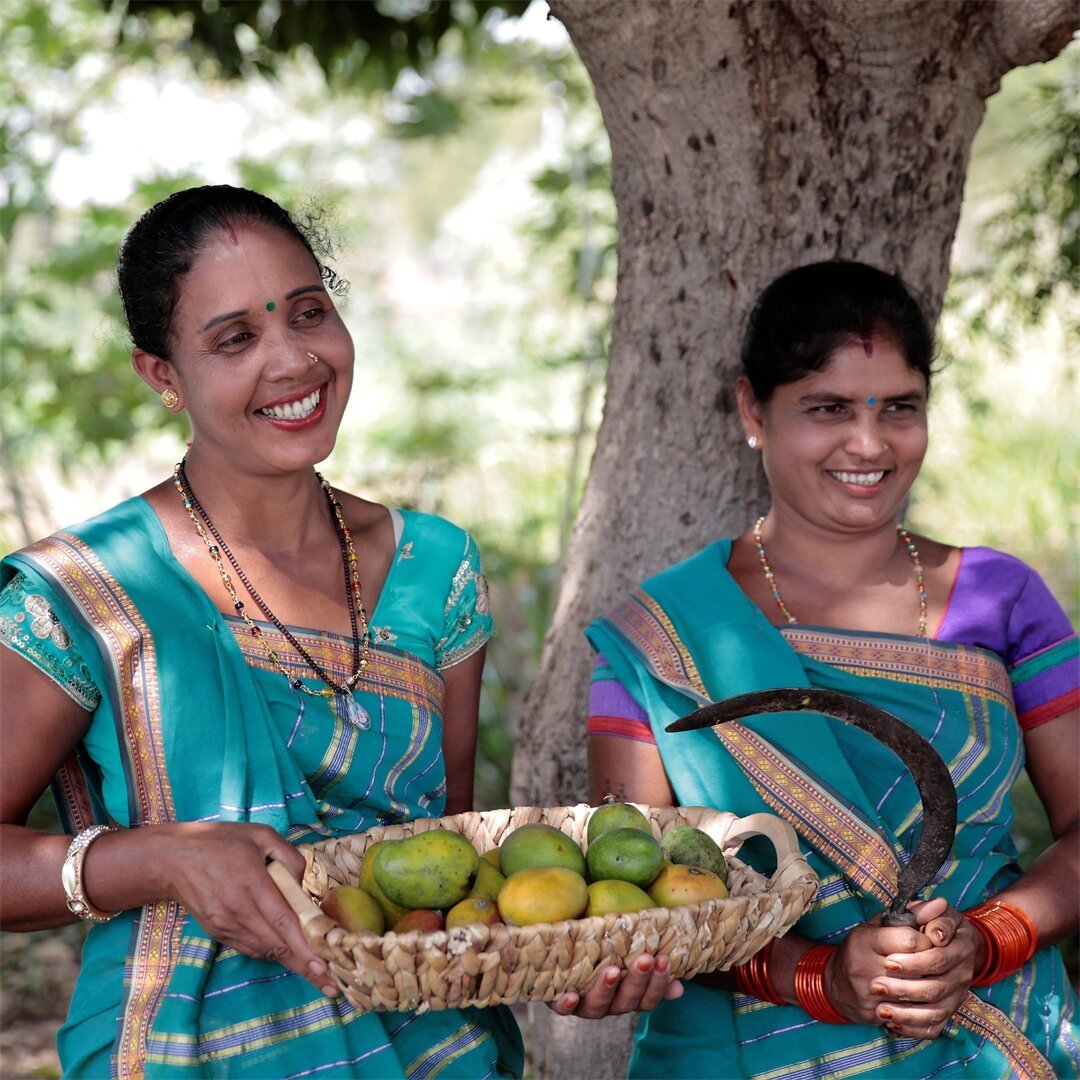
(348,709)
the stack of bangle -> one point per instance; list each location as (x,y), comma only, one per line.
(1010,938)
(810,985)
(752,978)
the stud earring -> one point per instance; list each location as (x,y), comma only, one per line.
(313,358)
(170,398)
(752,442)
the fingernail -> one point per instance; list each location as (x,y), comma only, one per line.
(330,991)
(892,1029)
(881,991)
(892,965)
(885,1013)
(939,934)
(645,964)
(316,969)
(569,1001)
(662,964)
(611,976)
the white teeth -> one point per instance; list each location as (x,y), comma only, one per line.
(861,479)
(294,410)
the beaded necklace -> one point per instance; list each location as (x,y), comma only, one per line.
(905,538)
(357,615)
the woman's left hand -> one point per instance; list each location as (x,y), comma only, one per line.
(919,991)
(642,986)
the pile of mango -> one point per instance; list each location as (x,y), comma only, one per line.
(437,880)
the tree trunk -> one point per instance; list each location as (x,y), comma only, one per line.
(746,138)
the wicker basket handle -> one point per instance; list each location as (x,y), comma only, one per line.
(313,922)
(731,832)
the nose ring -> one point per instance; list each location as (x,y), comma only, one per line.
(314,359)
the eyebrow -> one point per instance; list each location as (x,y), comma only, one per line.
(226,316)
(822,398)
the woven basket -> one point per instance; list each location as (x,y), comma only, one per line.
(490,965)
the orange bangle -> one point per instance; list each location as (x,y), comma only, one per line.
(752,978)
(1009,935)
(810,985)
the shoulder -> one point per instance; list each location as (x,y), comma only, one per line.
(434,530)
(686,572)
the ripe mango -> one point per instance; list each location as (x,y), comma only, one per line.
(542,894)
(606,897)
(488,881)
(429,870)
(353,909)
(422,919)
(687,846)
(678,885)
(492,856)
(473,909)
(625,855)
(390,910)
(615,815)
(539,845)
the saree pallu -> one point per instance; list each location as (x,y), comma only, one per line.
(196,724)
(689,636)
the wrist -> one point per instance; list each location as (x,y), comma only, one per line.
(1006,938)
(73,875)
(814,985)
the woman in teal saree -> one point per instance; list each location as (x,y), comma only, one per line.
(212,714)
(965,645)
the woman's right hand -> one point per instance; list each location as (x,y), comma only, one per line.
(641,987)
(217,872)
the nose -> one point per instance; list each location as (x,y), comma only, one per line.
(865,437)
(289,358)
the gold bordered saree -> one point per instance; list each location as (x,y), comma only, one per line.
(195,724)
(689,636)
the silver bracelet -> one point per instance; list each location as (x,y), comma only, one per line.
(71,875)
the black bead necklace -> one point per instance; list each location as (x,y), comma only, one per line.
(357,614)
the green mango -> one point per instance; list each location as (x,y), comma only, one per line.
(430,870)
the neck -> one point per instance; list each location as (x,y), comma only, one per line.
(276,513)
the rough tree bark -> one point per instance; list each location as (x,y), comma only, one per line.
(746,137)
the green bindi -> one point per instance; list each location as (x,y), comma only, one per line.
(270,305)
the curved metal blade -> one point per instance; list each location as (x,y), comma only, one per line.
(928,770)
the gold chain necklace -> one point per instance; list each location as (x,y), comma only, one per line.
(215,545)
(905,538)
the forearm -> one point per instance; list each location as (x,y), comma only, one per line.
(1047,892)
(121,870)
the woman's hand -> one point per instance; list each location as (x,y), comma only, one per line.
(217,872)
(641,987)
(909,979)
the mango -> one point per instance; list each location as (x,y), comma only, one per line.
(687,846)
(422,919)
(488,881)
(473,909)
(430,870)
(615,815)
(390,910)
(625,855)
(542,894)
(539,845)
(492,856)
(606,897)
(353,909)
(678,885)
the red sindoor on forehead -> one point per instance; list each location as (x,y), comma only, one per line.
(230,232)
(868,344)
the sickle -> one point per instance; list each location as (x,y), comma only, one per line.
(928,770)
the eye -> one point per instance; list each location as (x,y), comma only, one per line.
(309,314)
(902,408)
(238,337)
(833,408)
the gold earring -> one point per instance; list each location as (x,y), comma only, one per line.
(314,359)
(170,398)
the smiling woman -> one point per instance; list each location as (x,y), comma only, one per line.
(240,659)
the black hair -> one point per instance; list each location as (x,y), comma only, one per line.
(162,245)
(807,313)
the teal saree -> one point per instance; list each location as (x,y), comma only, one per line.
(194,723)
(690,635)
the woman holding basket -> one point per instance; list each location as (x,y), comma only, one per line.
(240,659)
(966,645)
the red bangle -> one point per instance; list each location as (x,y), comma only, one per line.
(753,979)
(810,985)
(1010,938)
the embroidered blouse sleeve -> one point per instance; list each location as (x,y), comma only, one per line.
(30,627)
(1044,656)
(612,709)
(467,622)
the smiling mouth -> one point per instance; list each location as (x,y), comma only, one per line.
(300,409)
(860,479)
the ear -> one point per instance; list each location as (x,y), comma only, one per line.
(750,409)
(158,374)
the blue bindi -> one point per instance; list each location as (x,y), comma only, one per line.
(871,401)
(270,305)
